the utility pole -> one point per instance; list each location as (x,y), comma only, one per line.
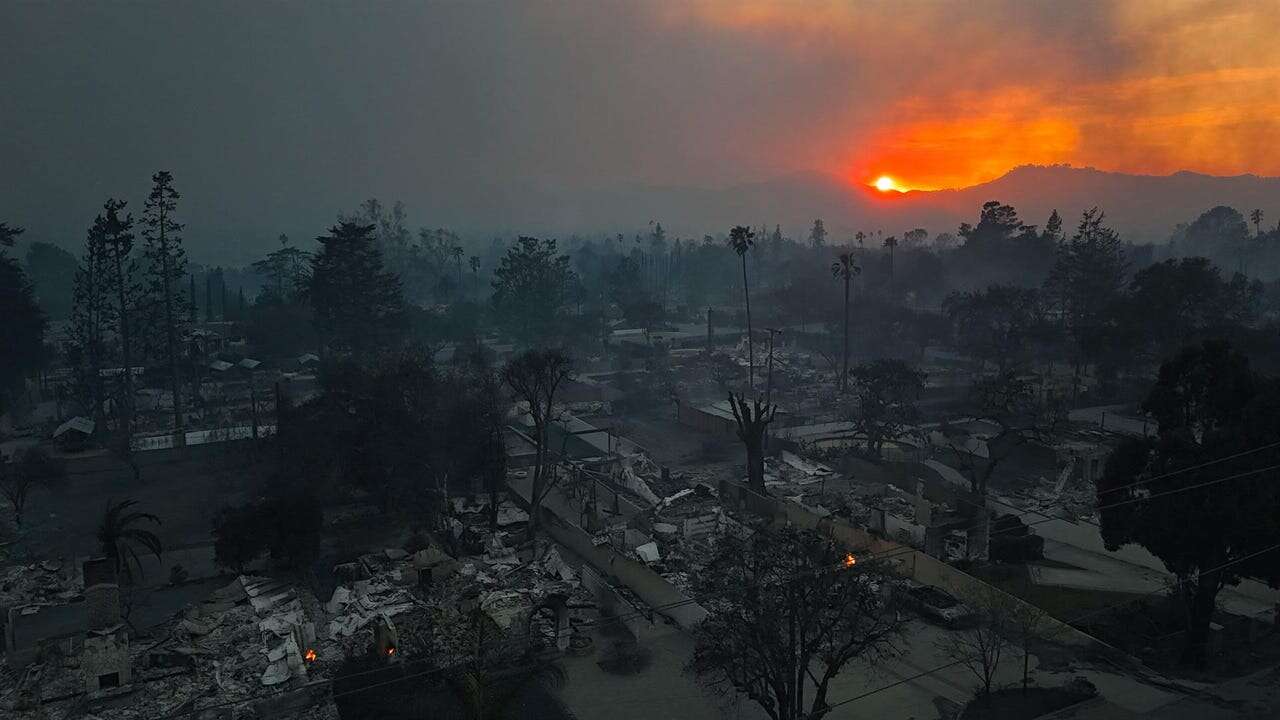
(768,392)
(253,400)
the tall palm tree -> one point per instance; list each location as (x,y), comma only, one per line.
(1256,217)
(456,250)
(475,273)
(891,242)
(741,238)
(119,538)
(844,268)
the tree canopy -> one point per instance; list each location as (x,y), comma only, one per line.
(886,392)
(358,304)
(530,288)
(22,330)
(788,611)
(1202,495)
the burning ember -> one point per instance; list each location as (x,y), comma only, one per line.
(310,655)
(391,650)
(849,560)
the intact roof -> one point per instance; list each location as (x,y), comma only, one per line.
(249,363)
(220,365)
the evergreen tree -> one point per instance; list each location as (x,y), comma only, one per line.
(91,317)
(1088,279)
(193,314)
(123,283)
(358,305)
(23,326)
(167,264)
(284,271)
(52,272)
(818,234)
(530,286)
(208,295)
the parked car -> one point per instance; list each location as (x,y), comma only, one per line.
(934,603)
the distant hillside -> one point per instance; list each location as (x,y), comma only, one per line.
(1144,208)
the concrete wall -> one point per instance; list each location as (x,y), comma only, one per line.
(705,421)
(229,454)
(902,559)
(558,519)
(613,605)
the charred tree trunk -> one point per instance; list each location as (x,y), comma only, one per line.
(753,420)
(1201,602)
(538,488)
(844,365)
(751,347)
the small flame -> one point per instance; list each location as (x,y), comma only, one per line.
(391,650)
(310,656)
(850,560)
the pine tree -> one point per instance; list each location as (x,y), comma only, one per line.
(358,304)
(168,263)
(818,234)
(1089,275)
(23,325)
(193,314)
(90,318)
(122,281)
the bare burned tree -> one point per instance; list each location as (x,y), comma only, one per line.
(534,376)
(980,646)
(753,421)
(31,470)
(789,610)
(1013,405)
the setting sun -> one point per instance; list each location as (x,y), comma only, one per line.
(884,183)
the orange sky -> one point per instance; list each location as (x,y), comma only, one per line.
(952,94)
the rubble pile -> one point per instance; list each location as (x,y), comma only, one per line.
(49,582)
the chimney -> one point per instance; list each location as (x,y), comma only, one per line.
(385,638)
(101,593)
(104,660)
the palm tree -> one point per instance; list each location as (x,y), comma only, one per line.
(891,242)
(741,238)
(1256,217)
(119,538)
(844,268)
(475,273)
(456,250)
(859,236)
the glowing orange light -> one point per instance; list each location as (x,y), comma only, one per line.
(310,656)
(850,560)
(391,651)
(884,183)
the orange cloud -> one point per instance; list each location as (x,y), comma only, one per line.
(946,95)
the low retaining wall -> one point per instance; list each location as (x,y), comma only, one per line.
(557,520)
(902,559)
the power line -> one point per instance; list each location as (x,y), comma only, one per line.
(517,640)
(886,555)
(1077,619)
(1190,468)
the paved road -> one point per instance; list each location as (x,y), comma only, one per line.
(1129,569)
